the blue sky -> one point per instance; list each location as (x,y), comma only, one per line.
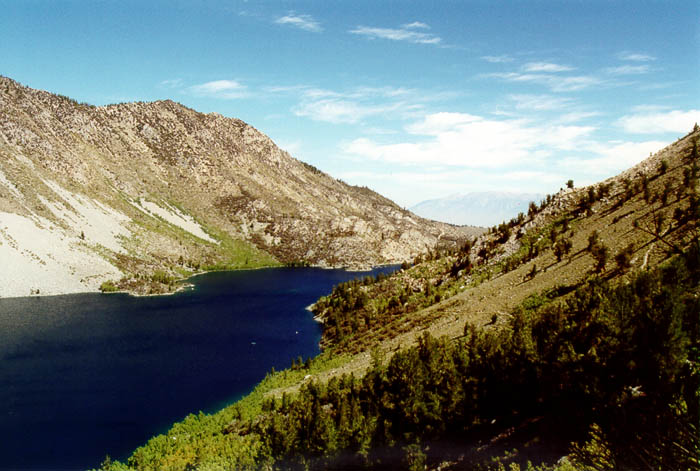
(416,100)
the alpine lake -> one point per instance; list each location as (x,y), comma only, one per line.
(83,376)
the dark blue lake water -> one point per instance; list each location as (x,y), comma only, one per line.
(82,376)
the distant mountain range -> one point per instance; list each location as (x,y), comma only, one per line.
(478,208)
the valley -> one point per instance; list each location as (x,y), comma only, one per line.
(310,236)
(485,349)
(139,195)
(518,329)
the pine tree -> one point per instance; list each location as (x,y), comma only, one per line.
(600,254)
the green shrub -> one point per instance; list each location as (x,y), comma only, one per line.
(108,287)
(161,277)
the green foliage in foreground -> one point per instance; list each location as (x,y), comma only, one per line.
(108,287)
(617,367)
(203,438)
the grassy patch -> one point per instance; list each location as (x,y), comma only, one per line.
(236,254)
(108,287)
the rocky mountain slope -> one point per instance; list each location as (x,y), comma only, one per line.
(140,194)
(569,330)
(477,208)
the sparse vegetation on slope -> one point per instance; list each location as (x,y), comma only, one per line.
(618,362)
(362,313)
(158,186)
(544,350)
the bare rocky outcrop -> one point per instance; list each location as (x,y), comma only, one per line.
(159,186)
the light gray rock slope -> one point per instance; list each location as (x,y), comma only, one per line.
(121,192)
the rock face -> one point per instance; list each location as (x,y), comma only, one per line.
(94,193)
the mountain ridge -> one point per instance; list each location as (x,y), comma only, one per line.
(565,337)
(159,175)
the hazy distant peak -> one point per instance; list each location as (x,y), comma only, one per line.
(484,208)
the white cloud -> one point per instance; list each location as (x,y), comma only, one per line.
(498,59)
(305,22)
(292,147)
(635,57)
(313,93)
(623,155)
(438,123)
(540,102)
(675,121)
(416,25)
(355,105)
(610,158)
(227,89)
(334,111)
(282,89)
(401,34)
(628,70)
(556,83)
(388,92)
(340,110)
(452,152)
(359,93)
(469,141)
(171,83)
(577,116)
(575,83)
(546,67)
(409,184)
(648,109)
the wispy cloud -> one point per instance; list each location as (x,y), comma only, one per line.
(413,185)
(171,83)
(284,88)
(608,158)
(628,70)
(503,59)
(447,150)
(353,106)
(556,83)
(337,111)
(635,57)
(471,141)
(576,116)
(416,25)
(657,85)
(675,121)
(649,109)
(360,93)
(546,67)
(397,34)
(305,22)
(293,147)
(540,102)
(385,92)
(226,89)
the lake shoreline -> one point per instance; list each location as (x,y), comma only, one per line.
(65,289)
